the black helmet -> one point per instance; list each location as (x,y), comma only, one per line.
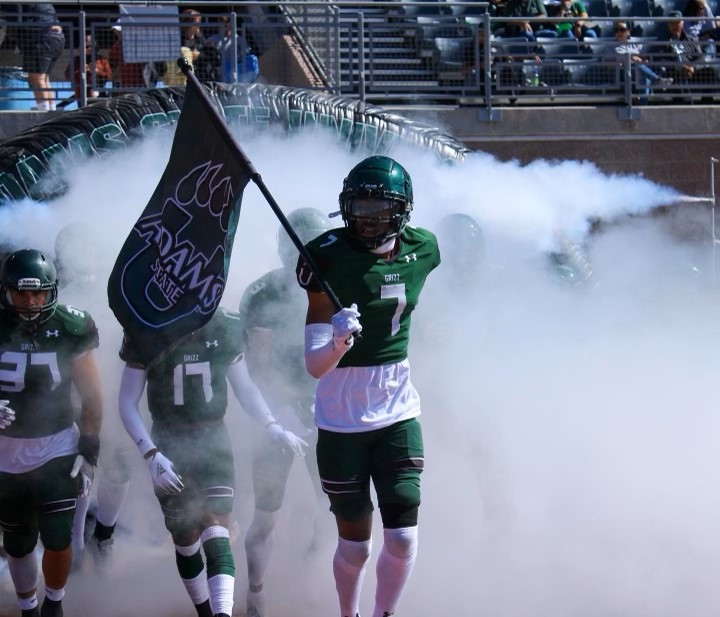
(28,270)
(382,178)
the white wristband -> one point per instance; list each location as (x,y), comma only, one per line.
(321,353)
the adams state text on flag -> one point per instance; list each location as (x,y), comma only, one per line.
(171,272)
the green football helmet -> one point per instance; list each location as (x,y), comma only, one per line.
(308,224)
(462,242)
(28,270)
(381,179)
(572,265)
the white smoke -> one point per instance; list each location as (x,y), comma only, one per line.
(570,432)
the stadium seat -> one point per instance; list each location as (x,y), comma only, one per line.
(515,46)
(480,8)
(621,8)
(640,8)
(451,55)
(427,7)
(598,8)
(441,25)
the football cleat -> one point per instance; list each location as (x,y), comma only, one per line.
(256,604)
(101,551)
(51,608)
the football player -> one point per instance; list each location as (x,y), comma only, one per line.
(46,459)
(366,408)
(80,264)
(272,310)
(189,455)
(463,245)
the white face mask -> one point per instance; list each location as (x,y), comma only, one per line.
(384,248)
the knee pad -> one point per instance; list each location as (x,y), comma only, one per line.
(218,555)
(397,516)
(18,544)
(353,553)
(189,560)
(402,542)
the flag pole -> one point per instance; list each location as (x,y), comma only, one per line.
(193,82)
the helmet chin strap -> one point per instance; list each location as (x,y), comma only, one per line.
(384,248)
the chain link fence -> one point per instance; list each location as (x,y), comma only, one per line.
(382,52)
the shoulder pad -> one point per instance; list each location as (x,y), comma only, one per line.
(74,320)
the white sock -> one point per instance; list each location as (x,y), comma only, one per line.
(258,545)
(54,594)
(27,604)
(111,497)
(197,587)
(78,528)
(43,106)
(24,572)
(349,570)
(394,566)
(51,105)
(221,587)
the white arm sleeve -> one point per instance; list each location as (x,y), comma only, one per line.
(321,353)
(248,393)
(131,389)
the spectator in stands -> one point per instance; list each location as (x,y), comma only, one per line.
(577,29)
(205,57)
(623,50)
(125,74)
(698,8)
(527,29)
(246,61)
(705,27)
(173,75)
(41,40)
(680,56)
(97,72)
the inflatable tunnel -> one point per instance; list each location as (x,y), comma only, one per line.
(32,164)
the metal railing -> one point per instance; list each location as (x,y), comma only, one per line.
(383,52)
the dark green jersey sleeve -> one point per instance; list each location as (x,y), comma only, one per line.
(386,292)
(36,370)
(188,385)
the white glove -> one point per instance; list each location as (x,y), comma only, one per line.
(7,415)
(288,439)
(345,323)
(165,479)
(86,471)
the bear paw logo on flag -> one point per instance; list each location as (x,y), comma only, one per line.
(178,268)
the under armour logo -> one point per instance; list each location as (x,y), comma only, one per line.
(49,333)
(209,344)
(410,257)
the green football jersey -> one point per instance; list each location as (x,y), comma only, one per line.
(35,370)
(386,292)
(188,385)
(274,302)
